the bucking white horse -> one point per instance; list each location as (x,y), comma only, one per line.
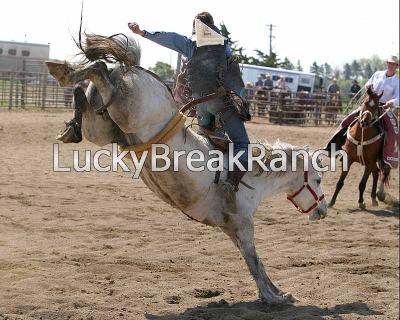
(141,111)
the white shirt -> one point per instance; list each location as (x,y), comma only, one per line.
(281,84)
(389,85)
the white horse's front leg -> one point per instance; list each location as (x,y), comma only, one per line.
(241,231)
(96,72)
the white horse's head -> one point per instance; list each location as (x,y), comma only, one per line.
(306,192)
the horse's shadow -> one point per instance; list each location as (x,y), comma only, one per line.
(259,311)
(387,213)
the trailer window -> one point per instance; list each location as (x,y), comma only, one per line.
(305,81)
(275,78)
(1,50)
(12,52)
(25,53)
(289,80)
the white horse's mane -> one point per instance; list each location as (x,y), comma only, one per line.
(280,145)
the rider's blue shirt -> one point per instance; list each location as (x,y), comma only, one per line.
(177,42)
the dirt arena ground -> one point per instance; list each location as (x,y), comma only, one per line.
(102,246)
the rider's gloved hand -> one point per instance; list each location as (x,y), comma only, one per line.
(134,26)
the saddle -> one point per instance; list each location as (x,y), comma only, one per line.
(217,138)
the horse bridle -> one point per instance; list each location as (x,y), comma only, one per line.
(374,117)
(306,186)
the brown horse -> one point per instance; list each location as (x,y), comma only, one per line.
(363,144)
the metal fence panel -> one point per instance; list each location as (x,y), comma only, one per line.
(27,89)
(300,108)
(20,89)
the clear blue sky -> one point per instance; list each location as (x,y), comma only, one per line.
(325,31)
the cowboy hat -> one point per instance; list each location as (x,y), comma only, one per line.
(392,59)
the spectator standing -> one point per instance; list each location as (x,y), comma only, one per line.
(268,83)
(259,82)
(355,88)
(249,90)
(334,87)
(281,83)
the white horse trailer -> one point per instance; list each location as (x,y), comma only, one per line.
(295,80)
(23,56)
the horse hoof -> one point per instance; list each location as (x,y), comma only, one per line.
(288,297)
(374,203)
(278,298)
(381,196)
(362,206)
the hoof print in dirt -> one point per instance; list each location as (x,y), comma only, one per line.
(173,299)
(206,293)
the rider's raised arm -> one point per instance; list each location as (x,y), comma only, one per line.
(173,41)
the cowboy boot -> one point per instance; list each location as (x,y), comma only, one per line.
(73,131)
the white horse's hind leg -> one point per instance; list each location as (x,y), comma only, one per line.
(241,230)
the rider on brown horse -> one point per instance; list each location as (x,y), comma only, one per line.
(386,83)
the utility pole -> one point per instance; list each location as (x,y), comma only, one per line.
(271,26)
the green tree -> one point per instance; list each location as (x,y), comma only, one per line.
(368,71)
(315,68)
(298,66)
(377,63)
(366,68)
(347,71)
(355,68)
(236,49)
(265,60)
(163,70)
(336,73)
(327,70)
(286,64)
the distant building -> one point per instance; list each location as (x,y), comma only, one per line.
(23,56)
